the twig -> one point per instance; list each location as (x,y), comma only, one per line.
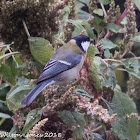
(3,61)
(3,101)
(8,46)
(90,15)
(105,62)
(108,34)
(8,83)
(125,52)
(132,53)
(3,46)
(121,69)
(103,8)
(118,22)
(138,58)
(2,121)
(12,55)
(113,60)
(26,29)
(97,129)
(0,81)
(8,54)
(122,17)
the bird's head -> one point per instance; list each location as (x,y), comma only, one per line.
(82,42)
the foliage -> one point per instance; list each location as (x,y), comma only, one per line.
(35,44)
(126,120)
(32,118)
(16,95)
(74,119)
(94,106)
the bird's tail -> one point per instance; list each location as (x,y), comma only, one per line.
(34,92)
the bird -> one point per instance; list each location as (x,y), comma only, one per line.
(63,67)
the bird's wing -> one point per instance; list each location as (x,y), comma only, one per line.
(55,67)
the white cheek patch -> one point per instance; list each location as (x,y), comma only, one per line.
(85,45)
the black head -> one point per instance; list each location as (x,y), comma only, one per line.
(83,42)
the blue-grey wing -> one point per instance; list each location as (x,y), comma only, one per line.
(55,67)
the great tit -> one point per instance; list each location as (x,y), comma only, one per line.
(63,67)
